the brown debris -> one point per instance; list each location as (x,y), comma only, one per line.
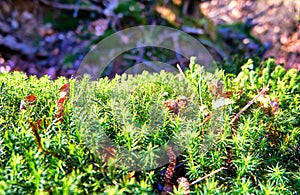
(172,162)
(185,184)
(261,93)
(34,128)
(172,106)
(63,95)
(275,24)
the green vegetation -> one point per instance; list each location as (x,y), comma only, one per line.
(42,147)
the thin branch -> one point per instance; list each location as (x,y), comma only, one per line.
(206,176)
(264,90)
(34,129)
(206,119)
(71,7)
(37,137)
(180,71)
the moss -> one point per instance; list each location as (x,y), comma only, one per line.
(260,151)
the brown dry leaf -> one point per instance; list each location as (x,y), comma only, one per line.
(216,88)
(172,106)
(227,94)
(64,90)
(63,95)
(59,114)
(30,99)
(60,101)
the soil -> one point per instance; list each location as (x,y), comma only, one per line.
(277,22)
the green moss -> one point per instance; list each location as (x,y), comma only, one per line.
(260,150)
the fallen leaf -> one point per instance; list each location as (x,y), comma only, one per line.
(30,99)
(60,101)
(64,90)
(63,95)
(172,106)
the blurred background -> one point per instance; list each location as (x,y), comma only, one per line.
(52,37)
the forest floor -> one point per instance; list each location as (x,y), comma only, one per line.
(277,22)
(30,45)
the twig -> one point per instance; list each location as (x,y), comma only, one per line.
(264,90)
(210,116)
(72,7)
(180,71)
(37,137)
(34,129)
(206,176)
(75,13)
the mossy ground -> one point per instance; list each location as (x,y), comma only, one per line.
(41,153)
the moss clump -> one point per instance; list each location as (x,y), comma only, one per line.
(40,153)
